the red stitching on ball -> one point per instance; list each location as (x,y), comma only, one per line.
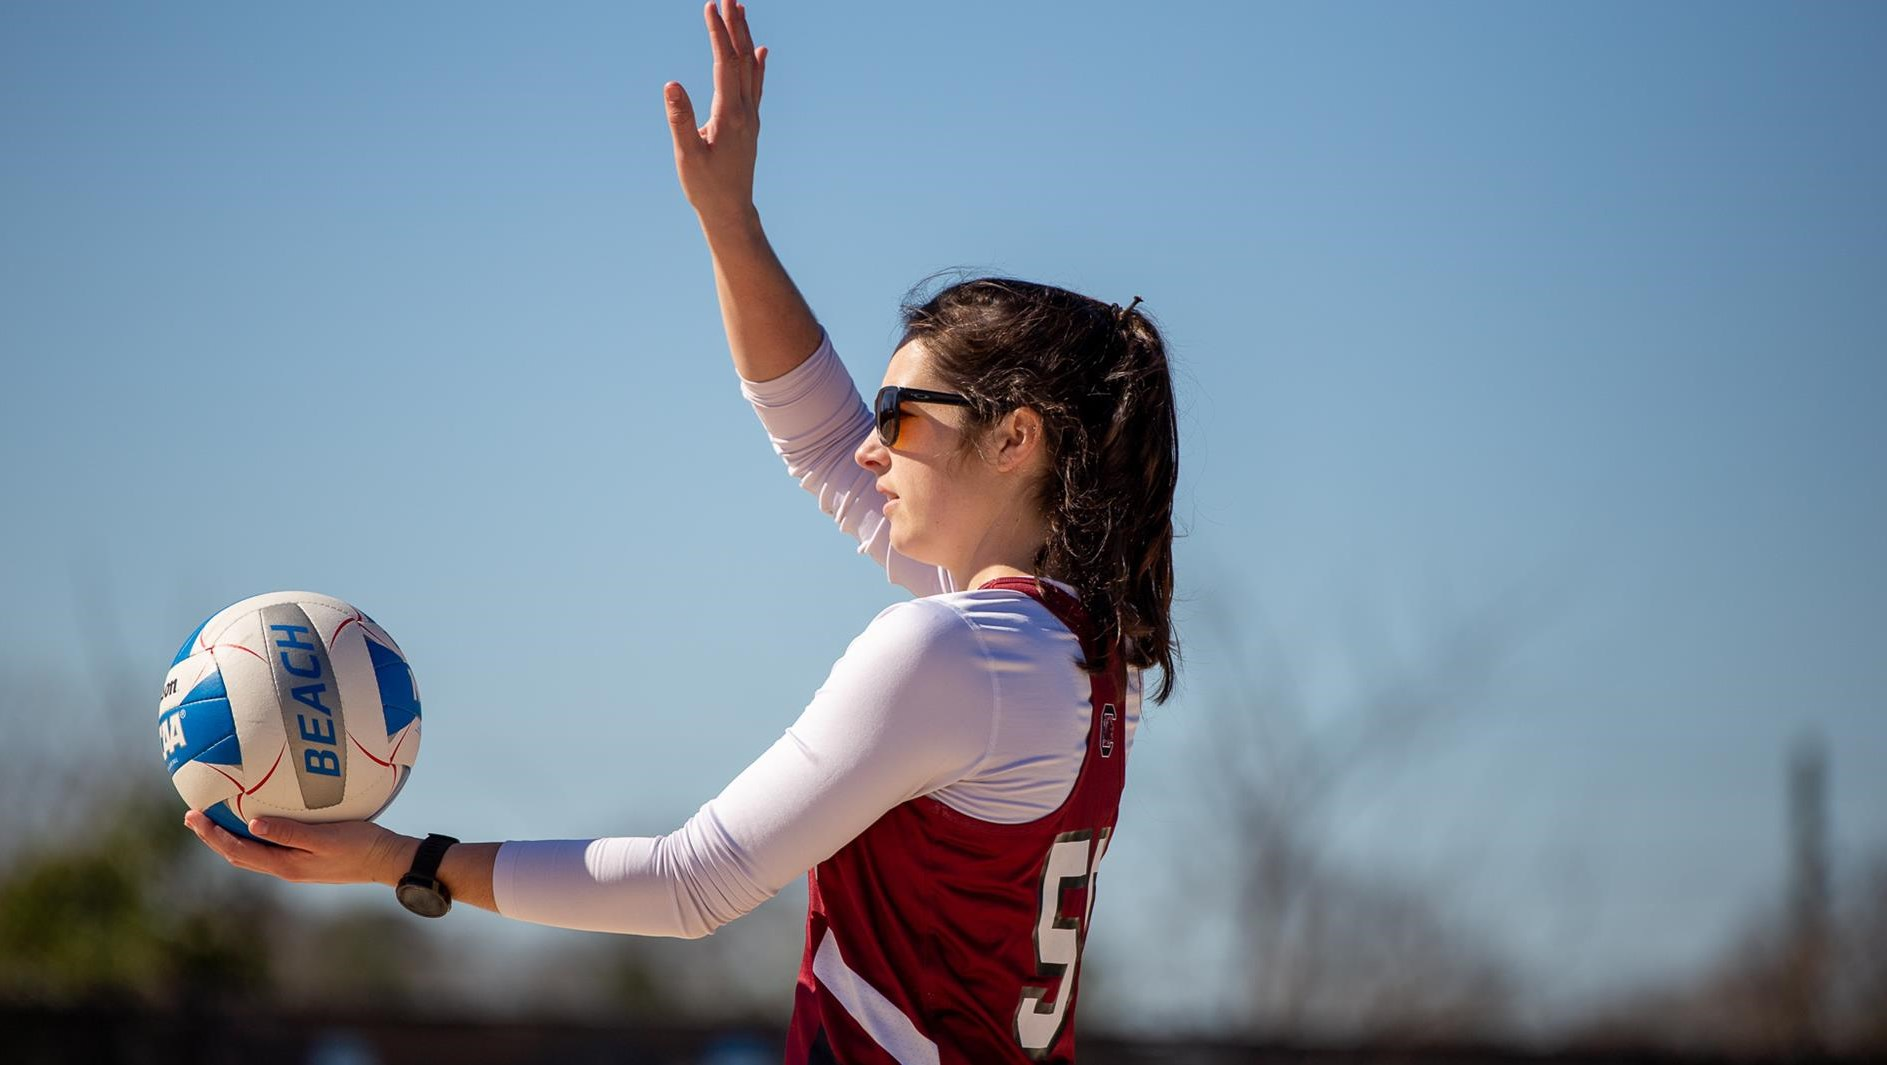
(241,791)
(336,634)
(369,753)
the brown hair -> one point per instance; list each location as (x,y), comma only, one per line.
(1097,375)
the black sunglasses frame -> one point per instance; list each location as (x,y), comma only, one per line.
(888,413)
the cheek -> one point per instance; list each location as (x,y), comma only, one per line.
(936,514)
(917,502)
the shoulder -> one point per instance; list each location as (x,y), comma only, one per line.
(947,639)
(1008,622)
(914,689)
(996,618)
(917,635)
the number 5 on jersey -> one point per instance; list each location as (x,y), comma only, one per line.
(1058,939)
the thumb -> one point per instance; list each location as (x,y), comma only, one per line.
(681,117)
(281,831)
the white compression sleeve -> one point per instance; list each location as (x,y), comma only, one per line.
(816,420)
(907,710)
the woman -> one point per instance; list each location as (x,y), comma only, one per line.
(953,785)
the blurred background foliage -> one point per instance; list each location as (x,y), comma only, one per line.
(122,909)
(106,899)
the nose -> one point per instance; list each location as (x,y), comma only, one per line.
(872,454)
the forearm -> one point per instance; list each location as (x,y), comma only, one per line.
(770,329)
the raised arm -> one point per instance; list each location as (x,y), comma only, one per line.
(770,330)
(815,423)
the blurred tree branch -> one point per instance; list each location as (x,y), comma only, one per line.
(1327,951)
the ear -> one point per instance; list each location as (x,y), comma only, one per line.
(1015,441)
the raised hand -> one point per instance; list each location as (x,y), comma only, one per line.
(715,161)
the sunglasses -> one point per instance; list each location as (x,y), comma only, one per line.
(888,411)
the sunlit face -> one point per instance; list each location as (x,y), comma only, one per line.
(939,501)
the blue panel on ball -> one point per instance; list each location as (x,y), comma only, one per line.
(190,641)
(228,752)
(399,699)
(190,729)
(210,687)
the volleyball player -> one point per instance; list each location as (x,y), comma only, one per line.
(951,789)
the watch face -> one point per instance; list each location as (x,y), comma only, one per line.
(422,899)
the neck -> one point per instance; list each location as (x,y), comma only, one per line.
(1007,550)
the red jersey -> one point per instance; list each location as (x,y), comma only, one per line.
(935,937)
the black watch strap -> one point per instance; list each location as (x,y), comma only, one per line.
(420,889)
(432,850)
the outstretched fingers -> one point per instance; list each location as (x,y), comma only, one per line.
(723,49)
(744,51)
(737,62)
(242,853)
(743,35)
(730,88)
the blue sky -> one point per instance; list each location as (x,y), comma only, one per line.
(1468,301)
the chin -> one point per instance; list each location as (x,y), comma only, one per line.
(911,547)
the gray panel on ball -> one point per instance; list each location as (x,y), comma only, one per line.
(310,699)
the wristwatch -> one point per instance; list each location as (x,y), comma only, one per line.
(420,889)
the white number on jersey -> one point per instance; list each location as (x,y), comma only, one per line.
(1058,938)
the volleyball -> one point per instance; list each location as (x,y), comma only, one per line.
(289,704)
